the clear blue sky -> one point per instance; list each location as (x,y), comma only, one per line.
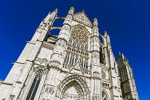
(126,21)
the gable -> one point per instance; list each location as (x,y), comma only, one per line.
(82,18)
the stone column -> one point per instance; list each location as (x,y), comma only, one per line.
(57,59)
(113,74)
(105,49)
(95,62)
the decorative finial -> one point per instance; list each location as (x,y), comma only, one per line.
(105,34)
(71,11)
(122,55)
(56,10)
(108,38)
(95,23)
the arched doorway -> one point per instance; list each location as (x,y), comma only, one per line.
(72,91)
(73,88)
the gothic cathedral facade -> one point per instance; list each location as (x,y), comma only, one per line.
(74,65)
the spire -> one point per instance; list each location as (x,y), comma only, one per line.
(50,16)
(95,23)
(71,11)
(122,56)
(55,11)
(108,38)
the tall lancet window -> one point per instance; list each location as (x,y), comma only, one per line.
(34,87)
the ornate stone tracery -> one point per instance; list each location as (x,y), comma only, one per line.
(40,66)
(73,83)
(81,33)
(77,47)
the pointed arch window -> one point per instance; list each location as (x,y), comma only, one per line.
(74,88)
(86,47)
(104,96)
(78,45)
(34,87)
(70,42)
(66,58)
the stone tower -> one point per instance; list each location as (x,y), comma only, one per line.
(128,86)
(74,65)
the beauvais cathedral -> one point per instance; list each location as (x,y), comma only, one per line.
(76,64)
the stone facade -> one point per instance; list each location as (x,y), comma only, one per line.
(75,65)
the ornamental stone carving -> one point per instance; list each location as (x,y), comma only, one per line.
(40,69)
(82,18)
(96,74)
(105,85)
(54,64)
(41,61)
(49,88)
(81,33)
(71,11)
(40,66)
(95,22)
(71,82)
(103,75)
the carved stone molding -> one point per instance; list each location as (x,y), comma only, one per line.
(49,88)
(105,85)
(54,64)
(40,69)
(41,61)
(40,66)
(76,82)
(96,75)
